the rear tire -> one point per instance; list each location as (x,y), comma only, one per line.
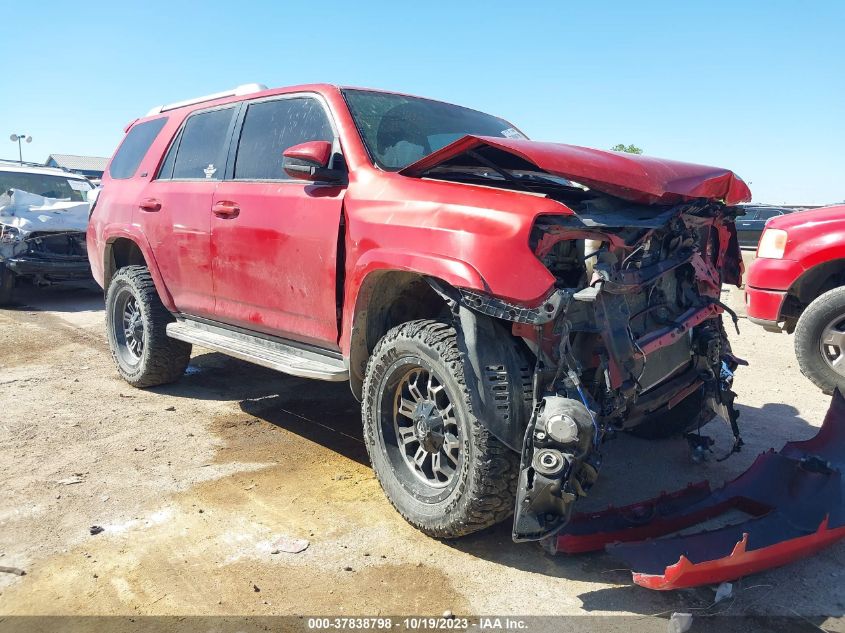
(820,341)
(136,323)
(7,285)
(442,470)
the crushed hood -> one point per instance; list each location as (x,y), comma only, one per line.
(30,212)
(640,179)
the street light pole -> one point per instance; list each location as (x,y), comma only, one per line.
(19,138)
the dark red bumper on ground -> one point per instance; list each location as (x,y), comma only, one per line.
(796,499)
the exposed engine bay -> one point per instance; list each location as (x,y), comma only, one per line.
(631,338)
(639,331)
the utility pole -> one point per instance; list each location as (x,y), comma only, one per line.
(19,138)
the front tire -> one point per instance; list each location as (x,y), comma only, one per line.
(136,323)
(820,341)
(442,470)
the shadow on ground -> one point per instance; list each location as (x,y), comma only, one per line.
(75,297)
(322,412)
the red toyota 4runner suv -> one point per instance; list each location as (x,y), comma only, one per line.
(797,284)
(499,306)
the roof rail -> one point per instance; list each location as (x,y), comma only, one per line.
(243,89)
(19,162)
(26,163)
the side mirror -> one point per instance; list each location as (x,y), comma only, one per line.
(309,161)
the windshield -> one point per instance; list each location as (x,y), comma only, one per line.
(399,130)
(46,185)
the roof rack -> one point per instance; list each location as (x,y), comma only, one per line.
(21,163)
(26,163)
(243,89)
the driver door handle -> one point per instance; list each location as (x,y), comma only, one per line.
(226,209)
(149,204)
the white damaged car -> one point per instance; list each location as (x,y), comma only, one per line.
(43,217)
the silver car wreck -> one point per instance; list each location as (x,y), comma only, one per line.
(43,217)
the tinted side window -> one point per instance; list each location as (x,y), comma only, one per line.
(270,127)
(202,148)
(133,148)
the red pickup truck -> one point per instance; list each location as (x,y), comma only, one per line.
(498,305)
(797,284)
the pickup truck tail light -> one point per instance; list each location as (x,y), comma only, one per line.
(772,244)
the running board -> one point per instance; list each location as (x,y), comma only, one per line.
(282,357)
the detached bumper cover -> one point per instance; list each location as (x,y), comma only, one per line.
(796,499)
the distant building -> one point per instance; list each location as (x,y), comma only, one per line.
(90,166)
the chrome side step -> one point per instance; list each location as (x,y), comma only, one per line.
(275,355)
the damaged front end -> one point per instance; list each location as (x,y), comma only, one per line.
(43,239)
(638,332)
(630,337)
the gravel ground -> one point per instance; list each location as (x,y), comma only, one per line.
(201,486)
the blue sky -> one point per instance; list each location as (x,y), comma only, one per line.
(758,87)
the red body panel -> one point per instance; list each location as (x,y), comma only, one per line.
(773,274)
(179,233)
(740,563)
(629,176)
(764,305)
(274,264)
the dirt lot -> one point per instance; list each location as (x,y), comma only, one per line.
(194,485)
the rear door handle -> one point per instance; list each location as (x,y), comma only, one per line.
(149,204)
(226,209)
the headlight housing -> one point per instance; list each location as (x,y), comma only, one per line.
(9,234)
(772,244)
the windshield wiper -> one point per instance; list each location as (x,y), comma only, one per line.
(503,173)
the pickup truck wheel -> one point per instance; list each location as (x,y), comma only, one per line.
(7,285)
(820,341)
(136,321)
(438,465)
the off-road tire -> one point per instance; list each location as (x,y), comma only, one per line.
(7,285)
(680,419)
(808,332)
(484,482)
(163,359)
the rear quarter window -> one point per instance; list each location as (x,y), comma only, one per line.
(134,147)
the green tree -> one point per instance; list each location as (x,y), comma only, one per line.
(631,149)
